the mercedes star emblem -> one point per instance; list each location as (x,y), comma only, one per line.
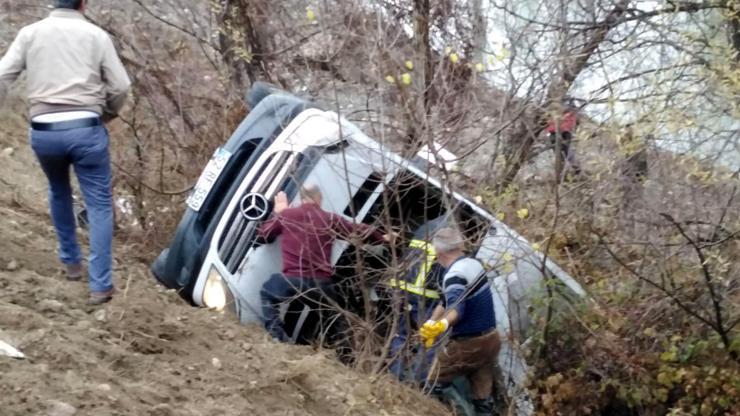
(254,207)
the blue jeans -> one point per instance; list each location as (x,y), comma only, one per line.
(411,363)
(86,149)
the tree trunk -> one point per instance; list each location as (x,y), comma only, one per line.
(423,56)
(733,9)
(480,31)
(241,43)
(558,87)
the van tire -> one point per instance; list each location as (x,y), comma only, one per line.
(259,91)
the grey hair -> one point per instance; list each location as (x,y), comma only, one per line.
(447,240)
(311,193)
(67,4)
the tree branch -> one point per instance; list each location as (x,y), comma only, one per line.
(708,280)
(663,289)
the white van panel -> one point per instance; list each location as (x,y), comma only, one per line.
(262,262)
(338,175)
(521,279)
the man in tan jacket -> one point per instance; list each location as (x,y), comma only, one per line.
(75,81)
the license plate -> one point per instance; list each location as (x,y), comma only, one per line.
(208,178)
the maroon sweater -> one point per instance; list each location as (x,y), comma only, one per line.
(308,234)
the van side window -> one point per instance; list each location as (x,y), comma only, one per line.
(363,194)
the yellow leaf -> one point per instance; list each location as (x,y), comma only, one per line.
(478,199)
(480,67)
(310,15)
(454,58)
(661,394)
(389,79)
(665,379)
(669,356)
(535,247)
(500,216)
(679,375)
(406,79)
(508,257)
(522,213)
(409,65)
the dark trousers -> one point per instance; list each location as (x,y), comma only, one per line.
(411,362)
(566,153)
(279,289)
(86,150)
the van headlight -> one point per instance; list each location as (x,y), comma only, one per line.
(216,292)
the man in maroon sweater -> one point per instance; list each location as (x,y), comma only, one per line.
(308,233)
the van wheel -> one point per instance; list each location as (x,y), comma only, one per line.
(259,91)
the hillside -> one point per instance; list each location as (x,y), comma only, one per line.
(651,230)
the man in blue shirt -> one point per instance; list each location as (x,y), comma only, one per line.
(467,308)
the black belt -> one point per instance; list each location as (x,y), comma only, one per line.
(464,337)
(67,125)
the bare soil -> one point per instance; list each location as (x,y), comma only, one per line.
(146,353)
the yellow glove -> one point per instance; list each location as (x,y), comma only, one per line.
(431,330)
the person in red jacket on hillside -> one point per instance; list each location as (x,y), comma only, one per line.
(308,234)
(564,127)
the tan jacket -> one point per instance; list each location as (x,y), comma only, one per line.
(70,64)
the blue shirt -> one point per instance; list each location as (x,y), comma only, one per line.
(467,290)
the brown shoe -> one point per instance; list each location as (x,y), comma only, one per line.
(99,298)
(74,272)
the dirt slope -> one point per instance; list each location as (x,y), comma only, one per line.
(146,353)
